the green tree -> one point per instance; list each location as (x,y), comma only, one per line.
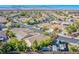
(73,48)
(6,48)
(21,46)
(18,45)
(71,28)
(10,33)
(38,45)
(46,42)
(23,13)
(77,23)
(14,45)
(35,46)
(18,25)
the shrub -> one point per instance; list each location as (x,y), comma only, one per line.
(73,48)
(38,45)
(14,45)
(71,28)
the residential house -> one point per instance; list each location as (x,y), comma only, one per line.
(28,35)
(20,33)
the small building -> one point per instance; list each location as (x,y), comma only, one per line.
(28,35)
(20,33)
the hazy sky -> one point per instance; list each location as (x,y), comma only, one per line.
(41,6)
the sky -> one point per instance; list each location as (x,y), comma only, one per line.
(41,6)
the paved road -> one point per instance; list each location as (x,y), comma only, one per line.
(69,40)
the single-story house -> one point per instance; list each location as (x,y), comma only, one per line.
(20,33)
(28,35)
